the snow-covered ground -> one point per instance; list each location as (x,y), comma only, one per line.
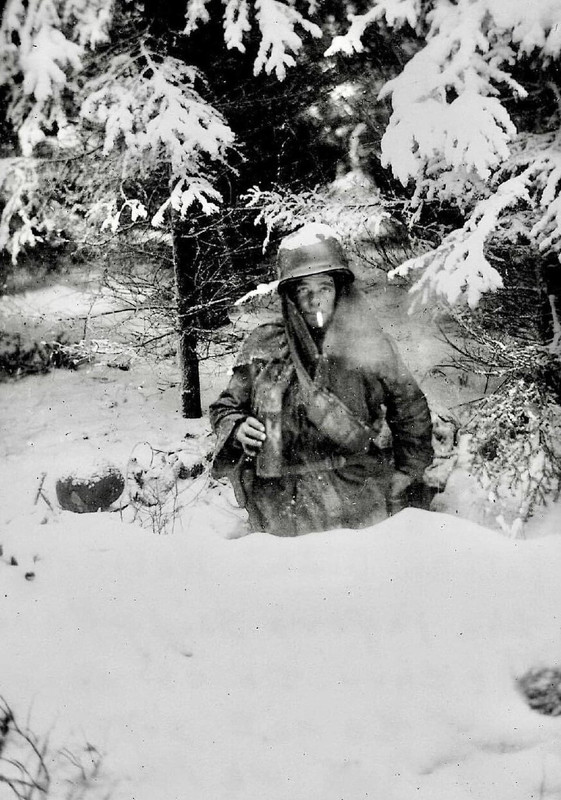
(379,663)
(199,662)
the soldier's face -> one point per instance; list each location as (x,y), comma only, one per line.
(315,298)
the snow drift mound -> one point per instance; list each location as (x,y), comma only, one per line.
(349,664)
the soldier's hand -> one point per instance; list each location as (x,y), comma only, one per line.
(251,435)
(400,482)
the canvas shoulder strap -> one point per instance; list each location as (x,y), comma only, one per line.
(325,409)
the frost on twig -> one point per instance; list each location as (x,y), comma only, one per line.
(281,211)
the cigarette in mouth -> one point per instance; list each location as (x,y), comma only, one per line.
(319,317)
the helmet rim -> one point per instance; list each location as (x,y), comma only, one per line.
(318,270)
(323,255)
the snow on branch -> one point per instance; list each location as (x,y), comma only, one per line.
(533,26)
(43,64)
(113,213)
(547,229)
(538,156)
(236,24)
(444,104)
(282,210)
(395,12)
(186,191)
(277,22)
(195,15)
(447,112)
(149,107)
(42,44)
(458,270)
(91,20)
(471,133)
(35,51)
(19,224)
(452,136)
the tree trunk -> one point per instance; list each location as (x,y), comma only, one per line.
(551,276)
(184,260)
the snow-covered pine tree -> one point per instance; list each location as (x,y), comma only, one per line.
(450,133)
(453,138)
(476,126)
(93,75)
(78,73)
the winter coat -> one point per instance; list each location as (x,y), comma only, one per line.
(302,480)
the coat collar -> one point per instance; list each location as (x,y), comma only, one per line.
(353,336)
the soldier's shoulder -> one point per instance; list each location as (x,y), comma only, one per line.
(264,343)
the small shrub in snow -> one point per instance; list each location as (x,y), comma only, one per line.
(514,429)
(67,355)
(153,482)
(514,443)
(32,770)
(20,357)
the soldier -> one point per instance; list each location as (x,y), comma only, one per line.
(297,425)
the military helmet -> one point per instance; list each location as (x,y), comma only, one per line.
(314,248)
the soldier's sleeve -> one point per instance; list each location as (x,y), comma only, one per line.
(232,407)
(407,415)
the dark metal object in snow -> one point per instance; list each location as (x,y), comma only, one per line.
(95,492)
(542,688)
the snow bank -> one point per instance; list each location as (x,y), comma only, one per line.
(56,302)
(348,664)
